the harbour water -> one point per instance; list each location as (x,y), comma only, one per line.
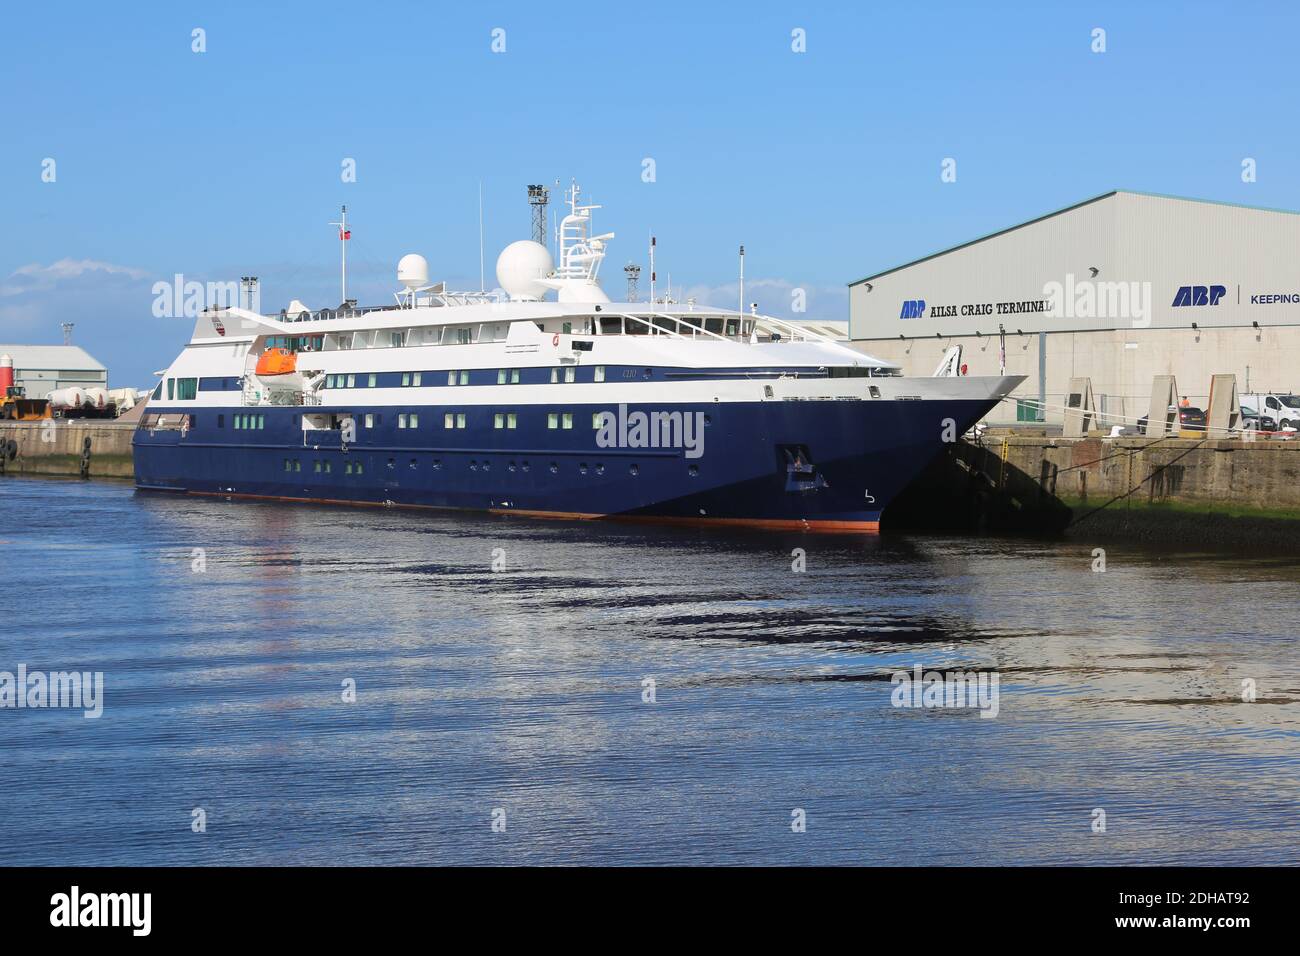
(503,672)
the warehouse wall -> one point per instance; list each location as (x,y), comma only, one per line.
(1152,245)
(1120,363)
(40,382)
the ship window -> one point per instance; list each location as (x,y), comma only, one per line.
(511,420)
(328,467)
(449,420)
(239,422)
(414,419)
(288,464)
(499,420)
(401,421)
(597,419)
(501,376)
(552,420)
(451,378)
(221,421)
(297,464)
(317,469)
(352,381)
(171,389)
(371,383)
(568,419)
(514,376)
(329,381)
(567,328)
(370,420)
(415,378)
(406,379)
(395,339)
(464,336)
(464,378)
(460,419)
(360,468)
(555,375)
(347,468)
(600,373)
(261,421)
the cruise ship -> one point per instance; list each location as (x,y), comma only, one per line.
(547,399)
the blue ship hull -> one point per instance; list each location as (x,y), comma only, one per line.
(819,465)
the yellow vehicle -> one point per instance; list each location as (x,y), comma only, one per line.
(15,406)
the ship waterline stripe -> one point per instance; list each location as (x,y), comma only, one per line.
(770,524)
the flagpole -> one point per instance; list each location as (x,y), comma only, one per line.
(344,235)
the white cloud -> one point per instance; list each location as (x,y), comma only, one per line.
(35,277)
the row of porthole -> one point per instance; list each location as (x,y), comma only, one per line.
(476,465)
(633,470)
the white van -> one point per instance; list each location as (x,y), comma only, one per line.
(1275,411)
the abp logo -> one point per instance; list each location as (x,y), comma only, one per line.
(913,309)
(1189,295)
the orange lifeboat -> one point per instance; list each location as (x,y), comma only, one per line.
(277,361)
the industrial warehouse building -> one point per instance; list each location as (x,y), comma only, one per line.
(1118,288)
(43,368)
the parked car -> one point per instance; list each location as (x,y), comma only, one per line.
(1190,419)
(1251,420)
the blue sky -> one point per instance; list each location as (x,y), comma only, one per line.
(825,164)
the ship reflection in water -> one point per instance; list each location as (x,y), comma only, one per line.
(626,694)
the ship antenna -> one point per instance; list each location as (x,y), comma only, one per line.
(742,280)
(344,235)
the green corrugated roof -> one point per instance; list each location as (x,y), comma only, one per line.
(1037,219)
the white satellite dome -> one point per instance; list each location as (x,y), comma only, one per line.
(413,271)
(521,266)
